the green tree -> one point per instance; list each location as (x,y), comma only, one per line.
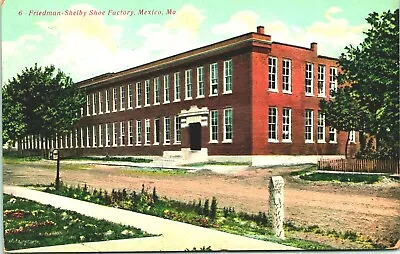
(40,101)
(371,69)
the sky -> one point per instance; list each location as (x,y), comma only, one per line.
(91,45)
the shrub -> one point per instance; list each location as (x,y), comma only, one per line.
(213,209)
(206,208)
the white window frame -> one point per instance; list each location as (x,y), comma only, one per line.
(122,98)
(115,99)
(147,89)
(177,87)
(94,106)
(332,80)
(61,142)
(214,126)
(332,132)
(147,132)
(287,76)
(94,134)
(167,130)
(200,82)
(88,137)
(122,134)
(101,134)
(272,74)
(82,139)
(213,79)
(166,89)
(108,135)
(156,131)
(321,80)
(309,126)
(320,127)
(188,84)
(107,101)
(177,130)
(273,124)
(130,96)
(156,91)
(114,134)
(309,79)
(352,137)
(138,132)
(226,124)
(130,133)
(138,92)
(76,138)
(88,105)
(100,103)
(228,77)
(287,125)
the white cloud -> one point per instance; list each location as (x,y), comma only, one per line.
(240,23)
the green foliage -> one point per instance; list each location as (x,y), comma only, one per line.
(202,249)
(108,158)
(371,70)
(206,208)
(345,178)
(303,171)
(28,224)
(40,101)
(213,208)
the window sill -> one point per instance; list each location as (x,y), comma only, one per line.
(287,92)
(188,98)
(156,103)
(332,142)
(309,95)
(166,102)
(147,105)
(227,92)
(309,142)
(286,141)
(200,97)
(138,107)
(114,111)
(321,142)
(177,143)
(130,108)
(122,109)
(138,144)
(273,141)
(147,144)
(114,146)
(130,145)
(166,144)
(321,96)
(228,141)
(273,90)
(107,111)
(352,143)
(100,113)
(177,100)
(156,144)
(213,142)
(213,95)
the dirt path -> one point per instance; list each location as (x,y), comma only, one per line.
(372,210)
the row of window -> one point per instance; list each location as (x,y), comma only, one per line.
(309,77)
(138,133)
(142,90)
(308,127)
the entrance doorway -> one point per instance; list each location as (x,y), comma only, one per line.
(195,136)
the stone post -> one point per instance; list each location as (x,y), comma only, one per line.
(276,207)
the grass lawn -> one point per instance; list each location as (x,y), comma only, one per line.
(343,177)
(29,224)
(218,163)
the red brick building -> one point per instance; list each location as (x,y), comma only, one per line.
(247,95)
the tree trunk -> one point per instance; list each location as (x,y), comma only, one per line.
(347,144)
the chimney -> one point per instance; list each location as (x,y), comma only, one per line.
(314,46)
(260,30)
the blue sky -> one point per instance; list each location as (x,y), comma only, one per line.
(84,47)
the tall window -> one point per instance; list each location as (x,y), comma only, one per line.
(157,91)
(332,79)
(147,93)
(200,82)
(130,96)
(82,139)
(76,138)
(167,130)
(115,99)
(308,124)
(115,134)
(320,127)
(94,132)
(122,96)
(177,87)
(272,74)
(228,124)
(122,134)
(332,135)
(147,131)
(213,79)
(138,95)
(100,103)
(107,101)
(228,76)
(88,103)
(130,132)
(188,84)
(88,137)
(214,126)
(95,103)
(287,76)
(101,135)
(138,132)
(352,138)
(177,136)
(166,89)
(287,125)
(272,124)
(156,131)
(108,135)
(321,80)
(309,79)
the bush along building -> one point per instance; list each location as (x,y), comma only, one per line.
(247,97)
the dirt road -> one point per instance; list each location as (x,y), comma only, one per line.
(372,210)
